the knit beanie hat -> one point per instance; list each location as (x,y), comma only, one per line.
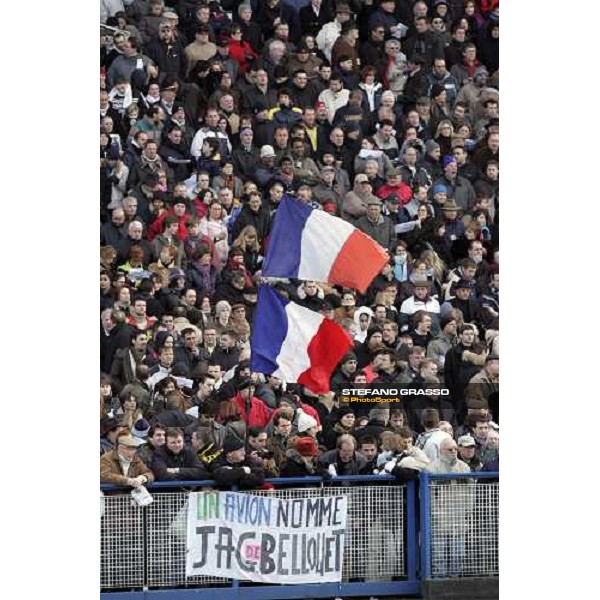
(343,411)
(232,443)
(306,446)
(306,422)
(430,145)
(140,428)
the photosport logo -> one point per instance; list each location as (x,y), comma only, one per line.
(387,393)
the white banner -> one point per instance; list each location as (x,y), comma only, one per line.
(265,539)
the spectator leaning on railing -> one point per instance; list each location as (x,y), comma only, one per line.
(123,467)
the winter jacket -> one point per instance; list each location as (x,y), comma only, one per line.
(489,48)
(169,58)
(266,15)
(412,304)
(159,225)
(449,83)
(255,100)
(259,413)
(111,235)
(201,282)
(460,189)
(426,45)
(252,33)
(415,176)
(327,37)
(187,461)
(355,466)
(459,368)
(334,100)
(469,309)
(382,231)
(178,160)
(482,386)
(226,473)
(111,470)
(438,348)
(208,132)
(124,66)
(416,86)
(227,358)
(404,465)
(148,27)
(373,53)
(322,192)
(306,171)
(245,162)
(296,465)
(175,418)
(312,23)
(260,220)
(340,48)
(242,52)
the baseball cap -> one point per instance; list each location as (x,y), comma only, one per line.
(466,441)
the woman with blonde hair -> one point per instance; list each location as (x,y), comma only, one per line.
(247,242)
(214,226)
(434,262)
(387,298)
(396,72)
(443,136)
(222,314)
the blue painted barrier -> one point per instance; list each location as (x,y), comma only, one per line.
(417,547)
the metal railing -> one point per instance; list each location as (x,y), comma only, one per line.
(443,526)
(459,525)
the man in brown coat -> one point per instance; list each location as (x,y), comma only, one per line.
(123,467)
(346,45)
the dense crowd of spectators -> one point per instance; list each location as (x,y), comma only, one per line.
(383,113)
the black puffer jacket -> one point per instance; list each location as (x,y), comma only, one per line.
(260,220)
(226,473)
(187,461)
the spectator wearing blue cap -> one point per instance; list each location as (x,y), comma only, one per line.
(439,194)
(457,187)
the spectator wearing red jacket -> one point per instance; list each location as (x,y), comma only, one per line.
(180,210)
(239,50)
(259,414)
(395,185)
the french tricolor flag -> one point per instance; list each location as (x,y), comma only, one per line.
(310,244)
(294,343)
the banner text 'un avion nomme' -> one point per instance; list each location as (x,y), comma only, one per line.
(265,539)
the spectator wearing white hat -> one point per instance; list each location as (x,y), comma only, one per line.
(306,425)
(123,467)
(265,169)
(466,452)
